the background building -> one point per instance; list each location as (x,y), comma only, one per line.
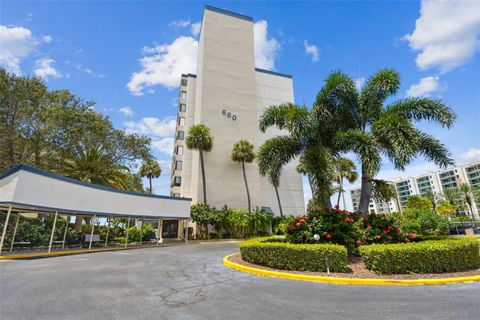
(228,95)
(435,182)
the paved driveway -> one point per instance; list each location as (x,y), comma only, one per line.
(190,282)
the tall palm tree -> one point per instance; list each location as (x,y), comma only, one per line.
(433,197)
(94,165)
(243,152)
(372,129)
(150,169)
(273,175)
(199,138)
(345,169)
(308,139)
(469,196)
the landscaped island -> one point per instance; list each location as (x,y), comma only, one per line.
(332,239)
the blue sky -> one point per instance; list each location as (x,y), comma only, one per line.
(95,48)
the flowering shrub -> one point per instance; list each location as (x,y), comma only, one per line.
(345,228)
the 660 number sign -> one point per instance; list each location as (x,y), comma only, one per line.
(229,115)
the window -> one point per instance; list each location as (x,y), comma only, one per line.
(180,135)
(183,95)
(177,181)
(184,82)
(181,121)
(178,165)
(179,150)
(183,107)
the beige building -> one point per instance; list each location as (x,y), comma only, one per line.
(435,182)
(228,95)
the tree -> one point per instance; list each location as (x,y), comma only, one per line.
(469,196)
(345,169)
(273,173)
(308,139)
(370,129)
(433,197)
(150,169)
(445,208)
(242,152)
(95,166)
(199,138)
(418,202)
(454,198)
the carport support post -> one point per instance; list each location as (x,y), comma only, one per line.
(186,230)
(53,231)
(91,233)
(108,229)
(126,236)
(65,232)
(15,231)
(159,232)
(5,228)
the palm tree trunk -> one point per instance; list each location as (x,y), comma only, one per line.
(203,178)
(246,186)
(150,180)
(366,192)
(279,203)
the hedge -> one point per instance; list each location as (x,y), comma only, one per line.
(423,257)
(275,253)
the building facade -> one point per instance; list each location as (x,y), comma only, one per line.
(435,182)
(228,95)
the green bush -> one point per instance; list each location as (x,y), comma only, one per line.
(422,222)
(423,257)
(275,253)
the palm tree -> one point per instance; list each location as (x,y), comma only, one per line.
(150,169)
(345,169)
(243,152)
(94,165)
(371,129)
(434,198)
(469,196)
(273,175)
(308,139)
(199,138)
(454,198)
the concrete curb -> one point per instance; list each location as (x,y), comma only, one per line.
(351,281)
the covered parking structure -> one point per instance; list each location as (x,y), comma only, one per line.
(28,191)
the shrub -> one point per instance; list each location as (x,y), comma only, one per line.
(422,257)
(422,222)
(275,253)
(380,228)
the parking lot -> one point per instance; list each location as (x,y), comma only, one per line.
(190,282)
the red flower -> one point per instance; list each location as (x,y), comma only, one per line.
(385,231)
(379,237)
(390,227)
(368,225)
(365,218)
(347,220)
(329,236)
(414,236)
(359,242)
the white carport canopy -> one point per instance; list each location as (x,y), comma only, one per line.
(30,189)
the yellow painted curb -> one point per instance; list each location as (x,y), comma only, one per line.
(353,281)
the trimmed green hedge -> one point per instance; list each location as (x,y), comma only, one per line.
(275,253)
(423,257)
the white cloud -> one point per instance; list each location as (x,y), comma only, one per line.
(179,23)
(161,131)
(164,64)
(164,145)
(17,44)
(266,48)
(126,111)
(88,71)
(47,39)
(446,34)
(195,28)
(425,87)
(44,69)
(312,51)
(359,83)
(472,155)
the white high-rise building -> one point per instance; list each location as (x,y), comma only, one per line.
(228,95)
(435,182)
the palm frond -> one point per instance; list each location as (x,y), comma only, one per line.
(364,145)
(434,150)
(418,109)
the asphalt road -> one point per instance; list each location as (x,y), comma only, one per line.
(190,282)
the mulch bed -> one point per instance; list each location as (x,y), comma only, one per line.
(357,269)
